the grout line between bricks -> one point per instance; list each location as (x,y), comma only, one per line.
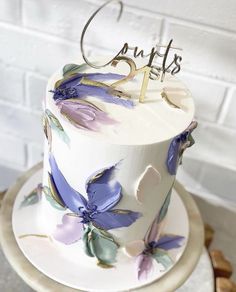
(21,12)
(26,156)
(21,107)
(225,106)
(25,102)
(164,32)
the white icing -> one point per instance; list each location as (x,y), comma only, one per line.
(134,248)
(140,138)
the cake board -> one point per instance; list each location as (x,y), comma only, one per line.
(173,279)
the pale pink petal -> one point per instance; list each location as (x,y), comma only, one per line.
(149,179)
(70,231)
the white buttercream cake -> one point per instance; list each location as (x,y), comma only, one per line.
(110,163)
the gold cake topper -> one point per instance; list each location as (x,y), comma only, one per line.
(150,71)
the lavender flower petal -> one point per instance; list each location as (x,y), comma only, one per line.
(115,219)
(71,198)
(104,76)
(145,266)
(83,114)
(70,231)
(103,191)
(169,242)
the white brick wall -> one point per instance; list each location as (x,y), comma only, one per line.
(38,36)
(10,11)
(11,84)
(35,90)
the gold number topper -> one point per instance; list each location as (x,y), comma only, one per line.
(150,71)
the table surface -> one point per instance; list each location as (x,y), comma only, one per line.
(40,282)
(10,281)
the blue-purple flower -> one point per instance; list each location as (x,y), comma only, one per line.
(103,193)
(177,148)
(157,250)
(155,245)
(82,85)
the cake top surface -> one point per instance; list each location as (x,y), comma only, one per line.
(167,109)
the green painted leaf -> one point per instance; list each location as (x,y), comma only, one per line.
(49,197)
(163,258)
(86,238)
(100,244)
(71,69)
(47,129)
(33,198)
(191,140)
(56,125)
(164,208)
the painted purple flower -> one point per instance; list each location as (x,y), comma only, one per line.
(157,250)
(154,246)
(83,114)
(103,194)
(81,85)
(145,265)
(177,147)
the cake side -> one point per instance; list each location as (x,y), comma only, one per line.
(137,145)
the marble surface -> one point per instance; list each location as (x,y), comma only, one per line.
(10,281)
(169,282)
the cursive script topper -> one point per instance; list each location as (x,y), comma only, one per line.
(150,71)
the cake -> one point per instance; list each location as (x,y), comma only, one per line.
(110,164)
(115,133)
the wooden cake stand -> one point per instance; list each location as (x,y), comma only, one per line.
(39,282)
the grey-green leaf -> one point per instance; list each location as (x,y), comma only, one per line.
(163,258)
(164,207)
(101,245)
(71,69)
(49,197)
(191,140)
(33,198)
(86,238)
(56,125)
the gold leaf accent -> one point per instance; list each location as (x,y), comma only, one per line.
(119,211)
(73,215)
(34,235)
(104,266)
(110,89)
(86,81)
(47,130)
(166,98)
